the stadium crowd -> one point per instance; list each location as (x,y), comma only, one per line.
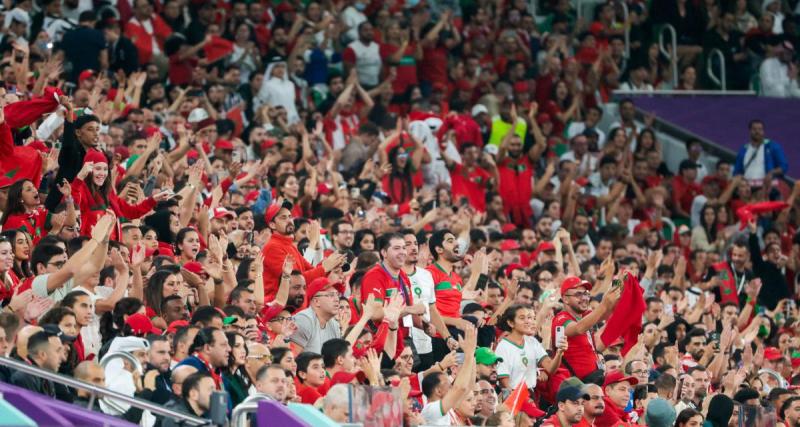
(288,198)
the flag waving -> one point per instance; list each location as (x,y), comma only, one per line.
(626,321)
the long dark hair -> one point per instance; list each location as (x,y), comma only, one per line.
(14,202)
(403,175)
(154,292)
(112,323)
(710,229)
(359,236)
(21,268)
(103,190)
(231,336)
(159,222)
(686,415)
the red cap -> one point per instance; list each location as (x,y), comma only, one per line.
(95,156)
(617,376)
(202,124)
(508,227)
(320,284)
(509,245)
(151,130)
(165,249)
(85,74)
(323,188)
(221,212)
(545,246)
(273,210)
(521,86)
(772,353)
(141,325)
(573,282)
(511,267)
(711,179)
(122,151)
(194,267)
(531,410)
(251,196)
(342,377)
(223,144)
(268,142)
(543,118)
(284,6)
(175,325)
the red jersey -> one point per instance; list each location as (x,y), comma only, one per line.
(448,291)
(406,68)
(683,193)
(32,223)
(516,188)
(472,184)
(379,282)
(581,355)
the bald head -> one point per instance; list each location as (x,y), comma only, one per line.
(23,335)
(91,372)
(179,375)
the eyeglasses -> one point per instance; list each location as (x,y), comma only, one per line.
(486,391)
(579,295)
(640,372)
(327,295)
(57,264)
(261,357)
(281,318)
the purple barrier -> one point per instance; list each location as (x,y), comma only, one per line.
(723,119)
(51,412)
(271,413)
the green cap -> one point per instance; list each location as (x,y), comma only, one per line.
(229,320)
(485,356)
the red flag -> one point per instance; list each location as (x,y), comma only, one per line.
(517,398)
(217,48)
(236,115)
(23,113)
(727,289)
(750,210)
(626,320)
(17,163)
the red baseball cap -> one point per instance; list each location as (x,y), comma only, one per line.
(616,376)
(772,353)
(141,325)
(85,74)
(274,208)
(574,282)
(175,325)
(221,212)
(320,284)
(545,246)
(531,410)
(509,245)
(223,144)
(513,266)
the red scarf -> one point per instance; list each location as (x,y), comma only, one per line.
(211,371)
(727,290)
(613,416)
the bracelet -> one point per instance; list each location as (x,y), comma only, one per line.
(390,328)
(217,281)
(285,276)
(439,365)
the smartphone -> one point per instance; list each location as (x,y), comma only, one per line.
(355,193)
(361,214)
(460,358)
(559,333)
(678,390)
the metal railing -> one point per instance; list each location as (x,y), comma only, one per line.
(673,92)
(97,391)
(627,29)
(673,55)
(248,406)
(721,80)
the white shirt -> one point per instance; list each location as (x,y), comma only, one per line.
(576,128)
(352,18)
(422,287)
(90,334)
(697,209)
(598,187)
(520,362)
(433,414)
(755,170)
(587,163)
(775,81)
(368,62)
(275,92)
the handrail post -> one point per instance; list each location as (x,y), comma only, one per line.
(674,55)
(627,29)
(720,81)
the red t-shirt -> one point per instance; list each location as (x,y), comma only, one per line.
(433,68)
(516,188)
(406,68)
(471,184)
(580,354)
(379,282)
(308,394)
(683,192)
(448,291)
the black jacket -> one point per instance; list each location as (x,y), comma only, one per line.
(123,55)
(177,405)
(32,383)
(70,161)
(774,287)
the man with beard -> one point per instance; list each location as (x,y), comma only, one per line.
(570,401)
(695,344)
(594,406)
(790,412)
(280,245)
(702,384)
(271,380)
(486,362)
(448,286)
(515,168)
(387,279)
(580,359)
(157,370)
(220,217)
(734,275)
(297,290)
(423,290)
(343,235)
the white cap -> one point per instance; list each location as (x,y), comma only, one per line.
(128,345)
(491,149)
(197,115)
(479,108)
(18,15)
